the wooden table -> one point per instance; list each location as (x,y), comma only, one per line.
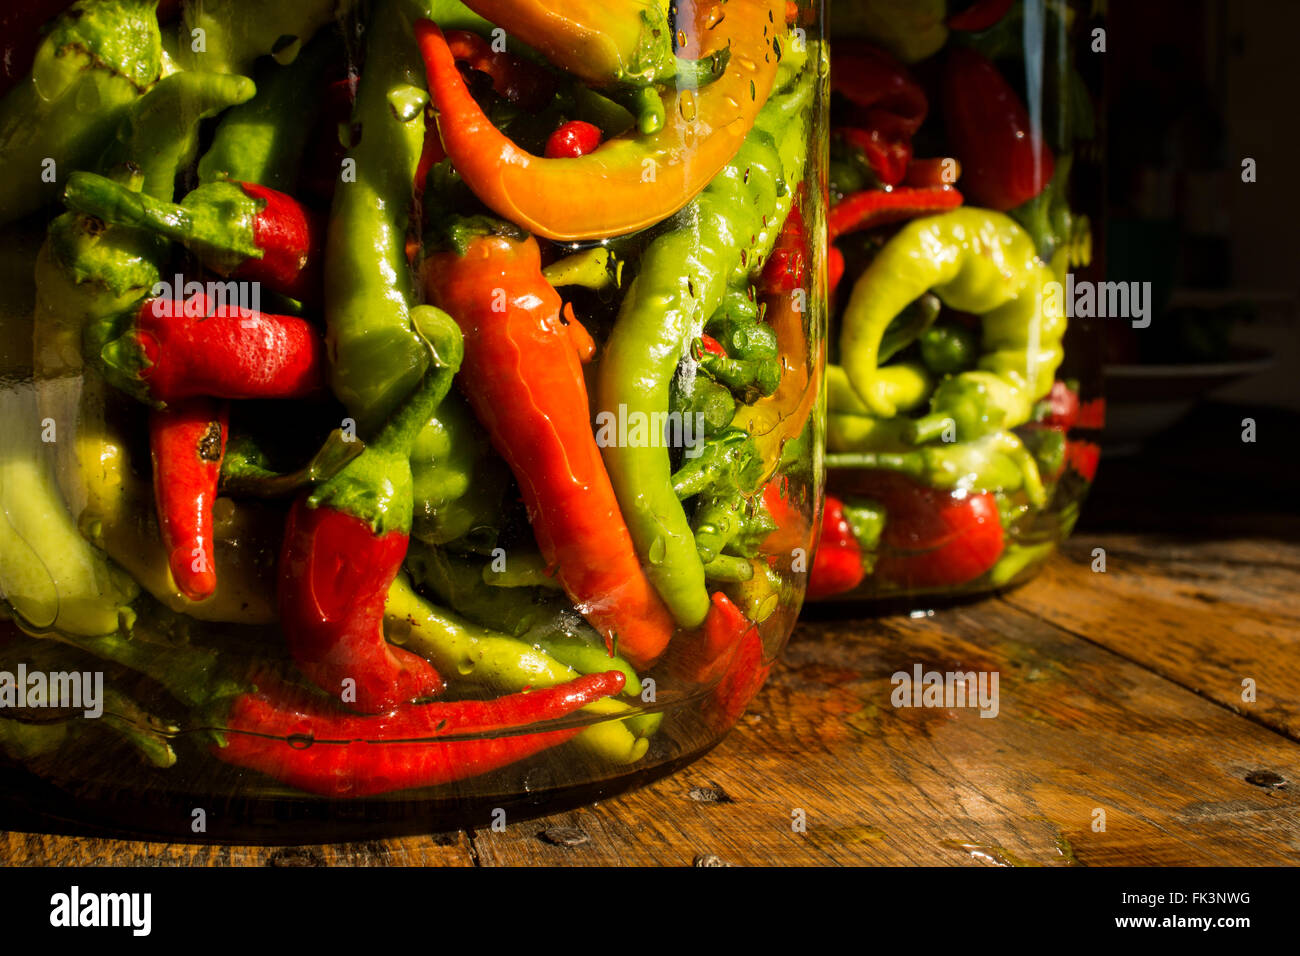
(1120,694)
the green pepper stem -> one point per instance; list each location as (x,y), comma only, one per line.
(927,428)
(729,569)
(112,202)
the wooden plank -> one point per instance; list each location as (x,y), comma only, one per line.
(1079,730)
(1206,615)
(40,849)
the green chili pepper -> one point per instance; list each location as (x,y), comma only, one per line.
(760,596)
(159,134)
(458,583)
(459,484)
(586,653)
(730,569)
(232,34)
(750,378)
(684,275)
(712,402)
(909,325)
(262,141)
(997,462)
(1047,445)
(975,261)
(592,269)
(1015,559)
(96,60)
(521,571)
(743,336)
(949,349)
(1052,224)
(118,712)
(866,520)
(849,433)
(912,30)
(369,289)
(904,386)
(728,459)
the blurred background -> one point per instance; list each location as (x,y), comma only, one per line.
(1192,89)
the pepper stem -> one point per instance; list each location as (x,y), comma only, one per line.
(927,428)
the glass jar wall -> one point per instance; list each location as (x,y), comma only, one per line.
(416,418)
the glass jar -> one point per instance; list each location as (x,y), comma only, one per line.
(400,478)
(963,400)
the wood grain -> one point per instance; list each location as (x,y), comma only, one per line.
(1119,692)
(1207,614)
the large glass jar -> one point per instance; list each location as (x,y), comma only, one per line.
(452,446)
(963,402)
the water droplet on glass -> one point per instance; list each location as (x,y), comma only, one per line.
(686,106)
(300,741)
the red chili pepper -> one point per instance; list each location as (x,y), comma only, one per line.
(573,139)
(188,441)
(524,380)
(344,544)
(1092,415)
(877,207)
(739,684)
(335,572)
(1083,457)
(709,653)
(933,173)
(711,345)
(980,15)
(933,538)
(291,238)
(304,741)
(791,524)
(786,268)
(837,566)
(890,107)
(834,268)
(519,81)
(1063,407)
(1005,163)
(178,350)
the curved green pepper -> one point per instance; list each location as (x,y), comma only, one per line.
(975,261)
(227,36)
(262,141)
(727,232)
